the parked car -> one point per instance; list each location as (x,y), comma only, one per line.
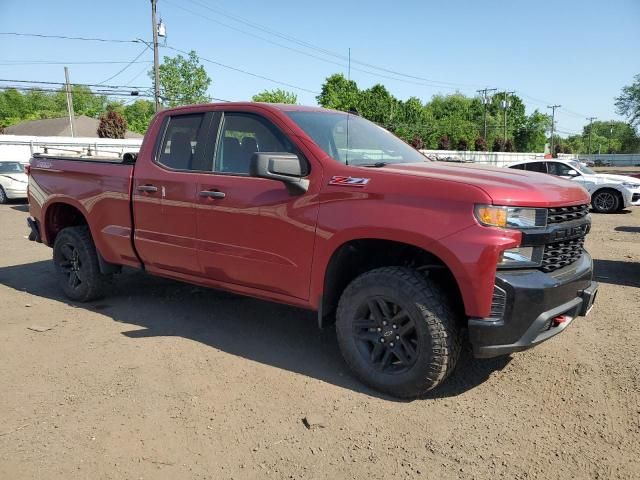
(327,211)
(609,193)
(13,181)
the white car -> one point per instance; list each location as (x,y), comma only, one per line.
(609,193)
(13,181)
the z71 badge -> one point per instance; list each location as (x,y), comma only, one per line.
(348,181)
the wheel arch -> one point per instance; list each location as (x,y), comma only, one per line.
(356,256)
(611,188)
(59,214)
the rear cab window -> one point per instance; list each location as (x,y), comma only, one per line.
(182,145)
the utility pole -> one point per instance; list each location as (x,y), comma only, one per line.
(591,119)
(553,122)
(485,101)
(156,66)
(72,119)
(505,106)
(610,135)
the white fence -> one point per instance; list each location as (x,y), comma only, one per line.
(20,148)
(505,158)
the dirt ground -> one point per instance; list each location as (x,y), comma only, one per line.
(165,380)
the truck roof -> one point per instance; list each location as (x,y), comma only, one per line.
(285,107)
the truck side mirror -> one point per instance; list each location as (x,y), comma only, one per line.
(283,167)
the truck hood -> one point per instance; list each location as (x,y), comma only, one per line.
(505,186)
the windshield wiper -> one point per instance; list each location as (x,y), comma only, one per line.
(373,165)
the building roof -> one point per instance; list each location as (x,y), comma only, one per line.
(59,127)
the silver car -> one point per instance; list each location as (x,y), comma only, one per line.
(13,181)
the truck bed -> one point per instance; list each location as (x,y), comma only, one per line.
(98,187)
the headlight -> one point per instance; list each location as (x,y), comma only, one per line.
(632,186)
(511,217)
(521,257)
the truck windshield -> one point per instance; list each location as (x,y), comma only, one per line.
(352,140)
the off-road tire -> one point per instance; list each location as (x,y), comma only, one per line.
(438,337)
(74,251)
(606,201)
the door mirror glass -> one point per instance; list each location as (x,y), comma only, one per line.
(572,173)
(281,166)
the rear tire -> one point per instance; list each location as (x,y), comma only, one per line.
(76,261)
(606,201)
(397,331)
(3,196)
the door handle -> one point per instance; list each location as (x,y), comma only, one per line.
(212,194)
(147,188)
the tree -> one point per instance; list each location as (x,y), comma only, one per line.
(508,145)
(444,143)
(628,103)
(139,115)
(532,136)
(276,96)
(417,143)
(183,81)
(498,144)
(463,144)
(338,93)
(480,144)
(112,125)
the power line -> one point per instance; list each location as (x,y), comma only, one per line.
(55,90)
(308,54)
(246,72)
(125,67)
(64,37)
(48,62)
(323,50)
(40,82)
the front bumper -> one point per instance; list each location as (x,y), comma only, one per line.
(537,306)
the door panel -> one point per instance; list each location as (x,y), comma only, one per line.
(165,199)
(257,234)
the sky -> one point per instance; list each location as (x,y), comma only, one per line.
(575,53)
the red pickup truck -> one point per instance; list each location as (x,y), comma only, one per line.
(327,211)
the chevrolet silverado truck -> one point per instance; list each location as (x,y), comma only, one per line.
(327,211)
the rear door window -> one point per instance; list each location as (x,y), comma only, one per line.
(180,148)
(536,167)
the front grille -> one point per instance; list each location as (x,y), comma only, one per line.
(635,197)
(560,254)
(566,214)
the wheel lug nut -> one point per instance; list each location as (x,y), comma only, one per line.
(397,337)
(395,326)
(391,344)
(379,329)
(384,322)
(382,340)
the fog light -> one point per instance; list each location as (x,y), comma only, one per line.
(521,257)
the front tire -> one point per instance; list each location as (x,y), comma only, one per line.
(76,261)
(397,331)
(606,201)
(3,196)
